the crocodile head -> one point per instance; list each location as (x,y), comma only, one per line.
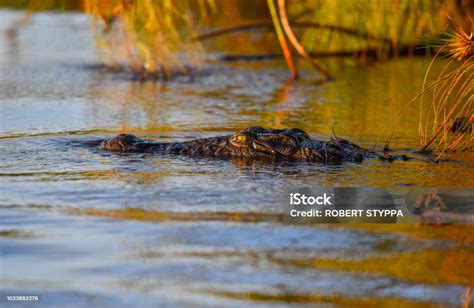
(258,141)
(121,143)
(128,143)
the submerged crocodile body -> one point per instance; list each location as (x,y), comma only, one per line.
(290,144)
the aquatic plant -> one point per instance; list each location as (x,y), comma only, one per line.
(149,37)
(157,38)
(283,28)
(339,26)
(153,37)
(447,125)
(385,27)
(281,38)
(458,43)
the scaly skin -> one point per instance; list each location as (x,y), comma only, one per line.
(291,144)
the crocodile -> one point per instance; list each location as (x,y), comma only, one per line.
(291,144)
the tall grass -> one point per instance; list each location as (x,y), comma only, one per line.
(152,37)
(149,37)
(447,124)
(155,37)
(385,25)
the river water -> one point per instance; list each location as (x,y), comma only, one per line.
(80,226)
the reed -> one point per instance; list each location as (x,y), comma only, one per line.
(149,37)
(386,25)
(159,37)
(445,121)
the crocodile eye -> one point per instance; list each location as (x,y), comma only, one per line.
(239,140)
(242,138)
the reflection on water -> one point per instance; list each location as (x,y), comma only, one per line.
(177,230)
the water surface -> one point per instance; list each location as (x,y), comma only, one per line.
(83,226)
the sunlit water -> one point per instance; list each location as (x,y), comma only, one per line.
(77,224)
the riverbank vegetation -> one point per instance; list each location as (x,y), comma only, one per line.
(163,37)
(447,125)
(160,38)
